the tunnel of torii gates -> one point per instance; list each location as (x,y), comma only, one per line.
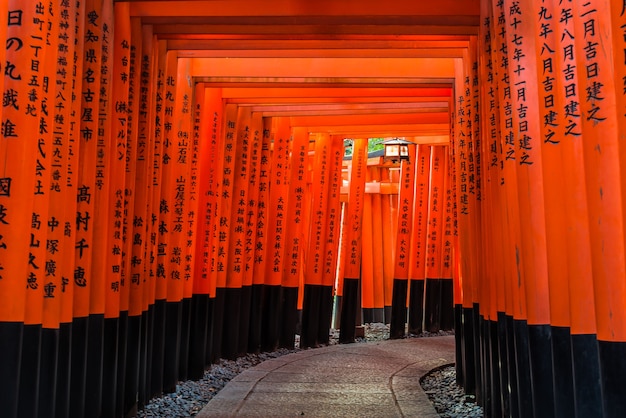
(173,190)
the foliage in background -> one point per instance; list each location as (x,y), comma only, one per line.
(373,144)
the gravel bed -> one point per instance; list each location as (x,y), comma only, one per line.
(191,396)
(448,398)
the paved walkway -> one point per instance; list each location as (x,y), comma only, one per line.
(377,379)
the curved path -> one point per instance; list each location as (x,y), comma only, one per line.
(377,379)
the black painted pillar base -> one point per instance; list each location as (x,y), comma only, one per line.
(232,317)
(256,315)
(198,335)
(78,367)
(398,309)
(494,366)
(95,343)
(11,353)
(244,320)
(121,363)
(270,333)
(613,372)
(563,378)
(337,317)
(469,369)
(29,372)
(109,367)
(62,407)
(326,314)
(504,366)
(416,307)
(586,375)
(477,350)
(458,345)
(173,316)
(540,349)
(131,376)
(48,371)
(522,358)
(158,349)
(290,317)
(387,309)
(183,361)
(349,306)
(145,355)
(310,316)
(510,351)
(432,309)
(217,325)
(447,304)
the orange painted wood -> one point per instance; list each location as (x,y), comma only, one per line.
(368,243)
(294,237)
(529,163)
(157,217)
(60,195)
(101,225)
(377,237)
(603,168)
(354,217)
(388,213)
(438,170)
(228,145)
(319,211)
(278,201)
(405,216)
(514,285)
(69,232)
(447,228)
(265,169)
(130,276)
(211,111)
(86,180)
(43,70)
(333,228)
(417,268)
(251,216)
(117,160)
(237,218)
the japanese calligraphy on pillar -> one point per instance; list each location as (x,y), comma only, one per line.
(256,144)
(117,157)
(86,186)
(56,282)
(99,276)
(241,167)
(447,222)
(41,80)
(265,170)
(405,215)
(435,211)
(331,249)
(279,199)
(229,150)
(294,240)
(319,209)
(353,221)
(417,257)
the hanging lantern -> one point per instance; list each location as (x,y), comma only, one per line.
(397,149)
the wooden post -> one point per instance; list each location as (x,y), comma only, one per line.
(313,288)
(432,310)
(417,270)
(276,232)
(113,339)
(235,267)
(601,123)
(403,246)
(261,222)
(294,237)
(353,230)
